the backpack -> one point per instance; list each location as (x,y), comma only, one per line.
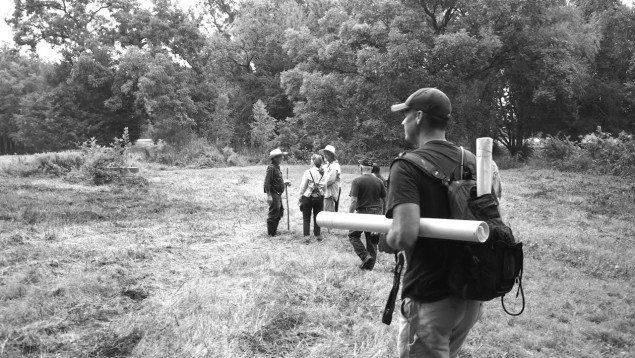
(316,186)
(477,271)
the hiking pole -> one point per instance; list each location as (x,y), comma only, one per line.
(286,194)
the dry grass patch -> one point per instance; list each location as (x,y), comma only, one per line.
(183,267)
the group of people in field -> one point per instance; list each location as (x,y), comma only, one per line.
(320,190)
(433,321)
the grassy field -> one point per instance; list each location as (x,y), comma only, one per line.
(182,267)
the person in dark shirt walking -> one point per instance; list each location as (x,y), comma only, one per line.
(274,187)
(366,198)
(433,322)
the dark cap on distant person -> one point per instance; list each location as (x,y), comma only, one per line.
(427,100)
(365,162)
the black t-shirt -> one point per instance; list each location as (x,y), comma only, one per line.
(368,191)
(426,276)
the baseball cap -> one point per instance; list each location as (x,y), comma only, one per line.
(365,162)
(428,100)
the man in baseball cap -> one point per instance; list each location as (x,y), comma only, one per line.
(429,100)
(429,107)
(427,299)
(366,197)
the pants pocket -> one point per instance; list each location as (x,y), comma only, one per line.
(408,324)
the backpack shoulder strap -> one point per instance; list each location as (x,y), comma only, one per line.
(423,165)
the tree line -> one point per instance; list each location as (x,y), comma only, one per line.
(254,74)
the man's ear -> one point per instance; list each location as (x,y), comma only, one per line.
(419,117)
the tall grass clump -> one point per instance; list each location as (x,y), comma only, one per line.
(598,152)
(55,164)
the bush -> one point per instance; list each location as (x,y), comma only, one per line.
(57,164)
(198,153)
(234,159)
(598,152)
(611,155)
(99,159)
(556,149)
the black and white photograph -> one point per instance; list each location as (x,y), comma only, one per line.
(317,178)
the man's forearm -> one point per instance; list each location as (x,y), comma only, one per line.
(404,228)
(353,206)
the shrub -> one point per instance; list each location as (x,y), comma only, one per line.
(57,164)
(611,155)
(99,159)
(598,152)
(555,148)
(198,153)
(234,159)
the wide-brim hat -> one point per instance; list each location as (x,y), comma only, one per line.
(428,100)
(330,149)
(365,162)
(276,152)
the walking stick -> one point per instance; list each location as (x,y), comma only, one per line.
(286,194)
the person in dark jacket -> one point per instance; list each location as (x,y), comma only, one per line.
(274,187)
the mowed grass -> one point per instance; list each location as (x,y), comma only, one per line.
(183,268)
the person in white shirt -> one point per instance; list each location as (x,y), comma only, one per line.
(311,199)
(333,173)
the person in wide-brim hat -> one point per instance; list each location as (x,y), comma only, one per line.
(276,152)
(330,149)
(274,187)
(333,173)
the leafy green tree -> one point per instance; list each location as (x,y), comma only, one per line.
(19,77)
(262,128)
(609,98)
(72,26)
(249,56)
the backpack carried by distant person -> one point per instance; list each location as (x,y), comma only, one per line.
(476,271)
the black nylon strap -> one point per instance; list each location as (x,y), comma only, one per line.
(392,297)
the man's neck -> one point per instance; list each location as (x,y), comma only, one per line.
(428,136)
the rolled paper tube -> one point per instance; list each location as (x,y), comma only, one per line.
(461,230)
(483,166)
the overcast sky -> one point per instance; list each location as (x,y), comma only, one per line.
(46,52)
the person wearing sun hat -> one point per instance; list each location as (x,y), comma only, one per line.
(333,173)
(366,198)
(274,187)
(433,321)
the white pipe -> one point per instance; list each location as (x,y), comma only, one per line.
(483,166)
(462,230)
